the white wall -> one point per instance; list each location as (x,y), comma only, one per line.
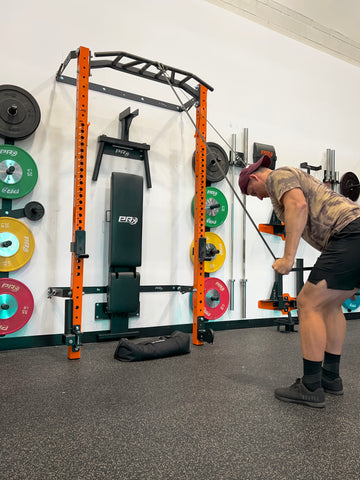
(287,94)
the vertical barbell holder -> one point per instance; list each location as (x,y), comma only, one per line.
(232,220)
(81,139)
(199,215)
(243,263)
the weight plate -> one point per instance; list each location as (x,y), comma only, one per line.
(350,186)
(16,244)
(216,298)
(213,241)
(34,211)
(352,305)
(16,305)
(18,172)
(217,162)
(216,207)
(19,113)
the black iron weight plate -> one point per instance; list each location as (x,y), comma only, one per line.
(217,162)
(350,186)
(19,113)
(34,211)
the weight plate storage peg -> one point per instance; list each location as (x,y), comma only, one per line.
(215,248)
(18,172)
(217,162)
(350,186)
(16,305)
(216,207)
(16,244)
(19,113)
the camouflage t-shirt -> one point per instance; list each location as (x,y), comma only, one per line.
(328,212)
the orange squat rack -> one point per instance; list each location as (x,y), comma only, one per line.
(128,63)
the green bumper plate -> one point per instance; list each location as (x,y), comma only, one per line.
(216,207)
(18,172)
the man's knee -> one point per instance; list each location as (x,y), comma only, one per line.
(312,296)
(302,300)
(319,298)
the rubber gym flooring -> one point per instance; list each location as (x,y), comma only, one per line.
(207,415)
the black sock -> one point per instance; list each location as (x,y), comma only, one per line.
(331,365)
(312,374)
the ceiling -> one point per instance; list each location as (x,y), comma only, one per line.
(328,25)
(342,16)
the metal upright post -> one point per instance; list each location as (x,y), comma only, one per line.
(199,215)
(78,232)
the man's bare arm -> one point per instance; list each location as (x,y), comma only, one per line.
(296,213)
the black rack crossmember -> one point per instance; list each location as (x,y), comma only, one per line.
(141,67)
(67,293)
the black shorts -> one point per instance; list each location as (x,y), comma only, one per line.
(339,263)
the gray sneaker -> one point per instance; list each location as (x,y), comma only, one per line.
(298,393)
(332,386)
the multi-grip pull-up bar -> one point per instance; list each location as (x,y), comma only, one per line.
(144,68)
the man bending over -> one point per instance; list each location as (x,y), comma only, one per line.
(330,223)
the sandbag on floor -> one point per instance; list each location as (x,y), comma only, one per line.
(178,343)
